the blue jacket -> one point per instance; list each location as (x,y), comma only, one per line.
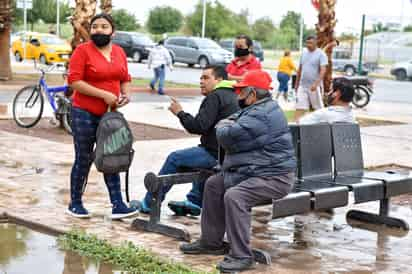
(257,143)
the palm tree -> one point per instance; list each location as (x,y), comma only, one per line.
(326,35)
(5,24)
(106,6)
(83,12)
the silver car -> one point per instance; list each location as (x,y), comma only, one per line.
(195,50)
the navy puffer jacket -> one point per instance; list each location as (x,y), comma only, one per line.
(257,142)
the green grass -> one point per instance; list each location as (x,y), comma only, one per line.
(126,256)
(169,84)
(290,115)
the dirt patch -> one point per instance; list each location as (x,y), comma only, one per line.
(367,122)
(46,130)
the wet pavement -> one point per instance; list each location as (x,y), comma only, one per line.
(34,185)
(26,251)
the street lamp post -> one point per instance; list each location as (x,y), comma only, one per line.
(58,19)
(204,19)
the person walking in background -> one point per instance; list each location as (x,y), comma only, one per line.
(159,58)
(309,80)
(99,75)
(244,59)
(285,70)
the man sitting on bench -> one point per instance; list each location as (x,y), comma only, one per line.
(258,166)
(339,109)
(219,103)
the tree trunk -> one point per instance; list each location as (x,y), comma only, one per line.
(106,6)
(326,35)
(83,13)
(5,23)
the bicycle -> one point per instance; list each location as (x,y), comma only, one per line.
(28,104)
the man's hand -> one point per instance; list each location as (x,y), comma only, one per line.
(123,100)
(314,87)
(225,122)
(175,106)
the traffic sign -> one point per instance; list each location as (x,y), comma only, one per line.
(21,3)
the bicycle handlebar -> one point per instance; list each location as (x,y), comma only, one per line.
(48,69)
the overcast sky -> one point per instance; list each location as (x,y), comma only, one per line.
(348,12)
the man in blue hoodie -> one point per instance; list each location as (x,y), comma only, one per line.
(258,166)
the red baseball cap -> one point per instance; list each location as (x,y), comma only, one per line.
(255,78)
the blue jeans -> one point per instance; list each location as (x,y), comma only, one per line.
(283,79)
(84,127)
(159,75)
(194,157)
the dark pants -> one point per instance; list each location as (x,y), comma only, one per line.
(230,210)
(283,79)
(84,126)
(159,75)
(194,157)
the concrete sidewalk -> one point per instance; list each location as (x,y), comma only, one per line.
(34,186)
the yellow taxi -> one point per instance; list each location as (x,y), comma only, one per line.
(46,48)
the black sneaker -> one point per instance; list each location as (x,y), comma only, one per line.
(77,210)
(198,248)
(231,264)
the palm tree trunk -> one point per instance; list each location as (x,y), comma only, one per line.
(106,6)
(5,23)
(83,12)
(326,35)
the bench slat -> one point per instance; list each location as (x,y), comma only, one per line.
(293,203)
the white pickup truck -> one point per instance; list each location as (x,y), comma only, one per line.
(402,70)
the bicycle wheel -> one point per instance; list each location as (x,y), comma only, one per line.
(66,122)
(361,97)
(28,106)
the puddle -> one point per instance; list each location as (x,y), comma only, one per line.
(321,242)
(26,251)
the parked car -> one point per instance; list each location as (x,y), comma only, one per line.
(136,45)
(229,44)
(402,70)
(342,61)
(195,50)
(44,47)
(14,36)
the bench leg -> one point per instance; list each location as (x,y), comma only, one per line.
(381,218)
(262,256)
(154,225)
(170,231)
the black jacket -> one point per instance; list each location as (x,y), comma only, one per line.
(216,106)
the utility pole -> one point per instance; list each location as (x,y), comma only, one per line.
(25,28)
(361,45)
(204,19)
(301,28)
(58,19)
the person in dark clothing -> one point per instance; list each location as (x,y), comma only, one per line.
(258,166)
(220,101)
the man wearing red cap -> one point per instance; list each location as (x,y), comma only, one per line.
(259,166)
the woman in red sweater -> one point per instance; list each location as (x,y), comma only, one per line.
(99,75)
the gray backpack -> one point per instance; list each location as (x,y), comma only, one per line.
(114,145)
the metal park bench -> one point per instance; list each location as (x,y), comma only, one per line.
(329,167)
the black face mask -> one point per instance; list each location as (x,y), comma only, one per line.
(242,103)
(101,40)
(331,98)
(239,52)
